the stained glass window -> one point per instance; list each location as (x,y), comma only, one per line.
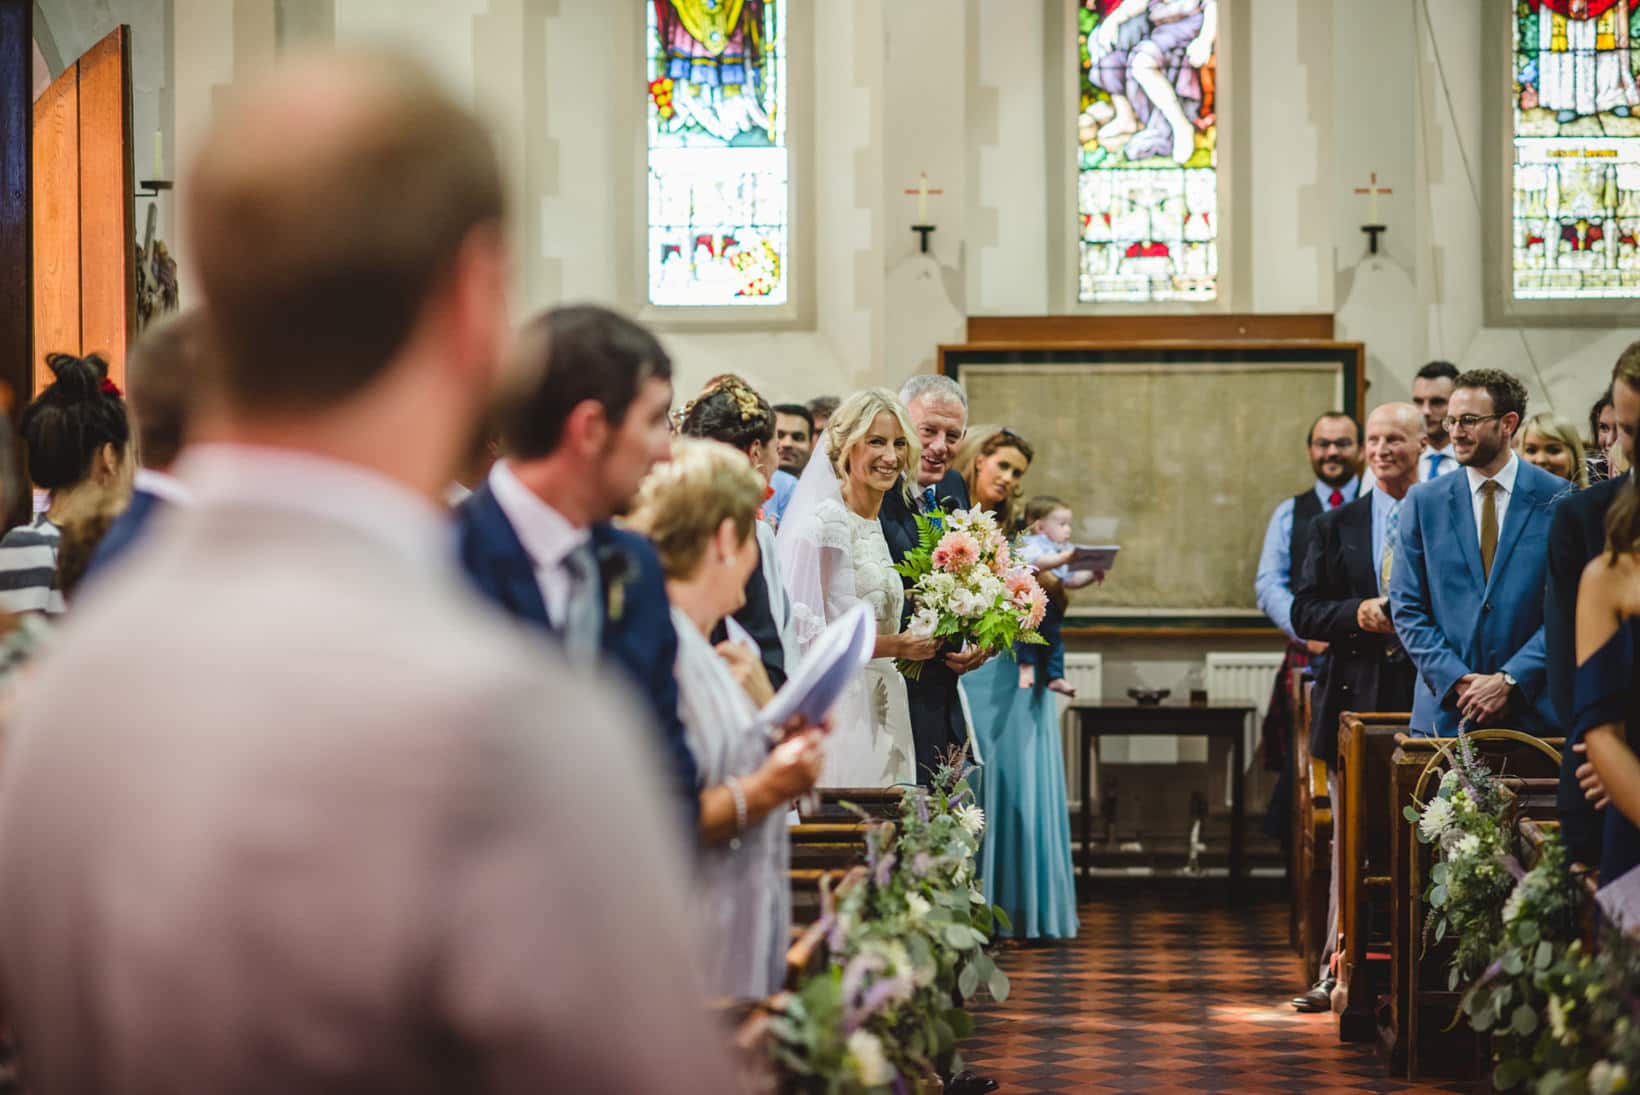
(1577,150)
(1147,179)
(718,165)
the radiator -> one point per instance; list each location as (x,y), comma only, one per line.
(1086,673)
(1240,678)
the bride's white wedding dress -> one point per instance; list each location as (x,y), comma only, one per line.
(831,559)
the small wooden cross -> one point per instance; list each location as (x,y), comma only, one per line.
(1373,226)
(922,227)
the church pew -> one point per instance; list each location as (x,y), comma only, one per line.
(828,844)
(1311,865)
(1412,1034)
(873,801)
(1366,742)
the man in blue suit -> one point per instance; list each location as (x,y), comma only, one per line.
(162,376)
(1467,588)
(536,537)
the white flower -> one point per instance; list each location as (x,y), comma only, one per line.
(1606,1078)
(1512,904)
(1437,818)
(923,623)
(870,1062)
(1469,844)
(971,818)
(1557,1017)
(919,905)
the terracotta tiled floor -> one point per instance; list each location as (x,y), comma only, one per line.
(1167,990)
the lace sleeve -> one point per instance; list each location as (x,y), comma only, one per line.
(816,561)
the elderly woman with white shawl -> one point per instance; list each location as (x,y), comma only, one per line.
(700,509)
(833,556)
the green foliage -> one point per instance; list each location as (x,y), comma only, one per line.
(906,949)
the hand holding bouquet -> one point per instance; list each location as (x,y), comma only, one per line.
(966,587)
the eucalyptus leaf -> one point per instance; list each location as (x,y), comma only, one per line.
(1410,813)
(1525,1020)
(1513,963)
(1439,873)
(1437,896)
(1440,934)
(968,980)
(1509,1074)
(1545,954)
(1006,924)
(1528,931)
(960,936)
(1452,974)
(998,984)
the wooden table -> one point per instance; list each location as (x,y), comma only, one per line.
(1213,720)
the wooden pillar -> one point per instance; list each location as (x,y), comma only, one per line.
(16,177)
(16,224)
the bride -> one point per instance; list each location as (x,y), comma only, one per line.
(832,555)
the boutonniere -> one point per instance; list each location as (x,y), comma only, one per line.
(616,570)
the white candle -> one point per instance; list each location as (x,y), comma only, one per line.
(159,154)
(922,199)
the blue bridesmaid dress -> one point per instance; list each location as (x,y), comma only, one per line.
(1605,693)
(1025,856)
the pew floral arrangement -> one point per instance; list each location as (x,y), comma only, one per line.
(1563,1021)
(907,953)
(966,587)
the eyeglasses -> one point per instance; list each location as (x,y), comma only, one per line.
(1467,422)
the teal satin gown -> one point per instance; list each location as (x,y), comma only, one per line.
(1025,856)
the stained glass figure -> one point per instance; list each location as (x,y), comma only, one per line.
(1147,180)
(1577,150)
(718,212)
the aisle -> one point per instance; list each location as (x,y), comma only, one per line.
(1167,994)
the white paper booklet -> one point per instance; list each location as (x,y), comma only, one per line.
(1094,557)
(835,659)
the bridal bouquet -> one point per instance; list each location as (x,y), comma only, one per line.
(966,587)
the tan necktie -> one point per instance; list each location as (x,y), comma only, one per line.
(1489,524)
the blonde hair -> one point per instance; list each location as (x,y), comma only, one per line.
(1550,425)
(851,422)
(981,442)
(684,500)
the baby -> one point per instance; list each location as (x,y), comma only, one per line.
(1047,546)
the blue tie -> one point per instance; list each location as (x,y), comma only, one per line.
(1434,459)
(929,505)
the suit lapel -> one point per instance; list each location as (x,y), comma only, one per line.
(1356,537)
(1524,500)
(501,557)
(1461,509)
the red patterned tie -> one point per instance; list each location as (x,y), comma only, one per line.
(1335,499)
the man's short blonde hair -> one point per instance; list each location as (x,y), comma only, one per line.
(684,500)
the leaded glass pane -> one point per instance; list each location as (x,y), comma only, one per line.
(718,168)
(1147,134)
(1576,201)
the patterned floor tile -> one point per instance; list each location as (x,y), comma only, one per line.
(1163,991)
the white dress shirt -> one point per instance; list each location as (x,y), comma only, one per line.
(1428,469)
(348,494)
(1506,487)
(545,533)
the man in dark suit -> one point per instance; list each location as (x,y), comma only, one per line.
(536,538)
(1340,599)
(1577,535)
(1470,567)
(939,412)
(162,376)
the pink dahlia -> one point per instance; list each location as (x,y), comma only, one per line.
(1039,608)
(1002,560)
(960,550)
(1019,584)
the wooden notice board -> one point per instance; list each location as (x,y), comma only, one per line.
(85,294)
(1177,450)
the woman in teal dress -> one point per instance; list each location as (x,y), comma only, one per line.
(1025,857)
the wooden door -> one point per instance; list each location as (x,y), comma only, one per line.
(84,239)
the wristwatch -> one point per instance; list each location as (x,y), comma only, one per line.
(1510,681)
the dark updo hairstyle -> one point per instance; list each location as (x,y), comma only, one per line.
(78,413)
(728,410)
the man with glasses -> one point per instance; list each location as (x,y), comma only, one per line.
(1333,444)
(1467,592)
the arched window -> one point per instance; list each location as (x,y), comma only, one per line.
(1576,182)
(1147,156)
(718,160)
